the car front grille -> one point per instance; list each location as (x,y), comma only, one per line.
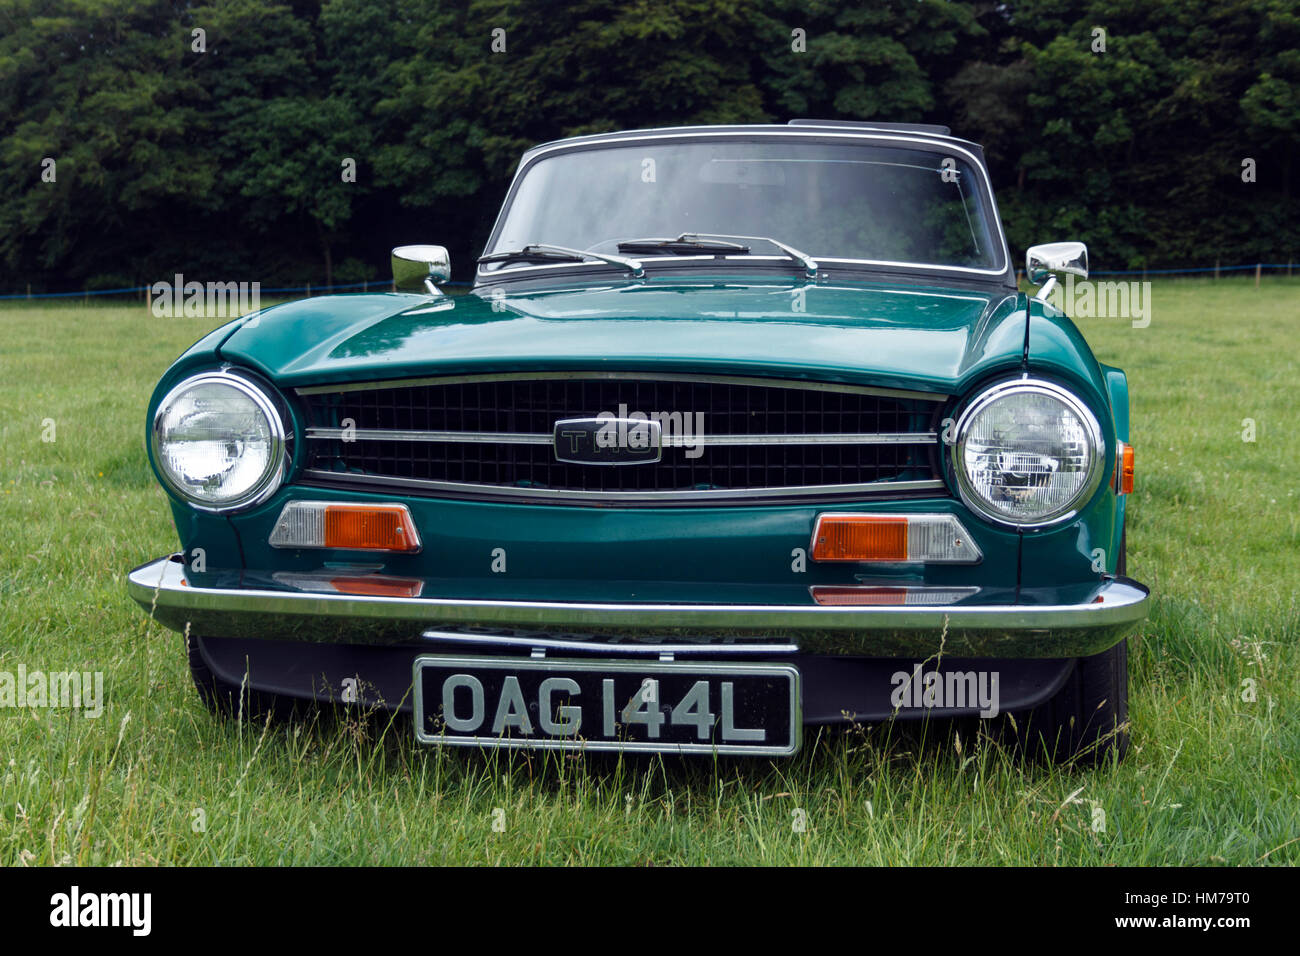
(493,435)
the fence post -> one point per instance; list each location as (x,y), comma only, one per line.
(1257,265)
(1216,267)
(29,290)
(309,290)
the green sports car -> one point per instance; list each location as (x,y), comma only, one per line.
(739,430)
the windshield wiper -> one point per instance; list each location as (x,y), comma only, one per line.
(699,242)
(809,264)
(685,244)
(545,252)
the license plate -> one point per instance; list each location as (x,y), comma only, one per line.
(672,706)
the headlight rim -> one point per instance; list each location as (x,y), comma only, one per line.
(1026,384)
(277,463)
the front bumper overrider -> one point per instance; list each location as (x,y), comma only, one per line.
(1037,625)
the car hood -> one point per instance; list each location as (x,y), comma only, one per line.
(925,339)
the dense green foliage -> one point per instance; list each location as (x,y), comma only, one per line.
(230,161)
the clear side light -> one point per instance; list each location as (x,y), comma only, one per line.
(940,539)
(301,525)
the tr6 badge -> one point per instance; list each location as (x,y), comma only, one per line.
(607,440)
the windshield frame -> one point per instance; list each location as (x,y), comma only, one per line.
(1001,274)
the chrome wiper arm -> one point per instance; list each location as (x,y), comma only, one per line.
(528,253)
(684,244)
(631,265)
(808,262)
(542,250)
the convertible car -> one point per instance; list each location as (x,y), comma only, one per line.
(739,430)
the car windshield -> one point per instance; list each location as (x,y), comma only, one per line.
(881,204)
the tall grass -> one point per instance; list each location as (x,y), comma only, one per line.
(1211,778)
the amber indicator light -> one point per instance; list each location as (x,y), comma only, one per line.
(369,528)
(1126,470)
(860,538)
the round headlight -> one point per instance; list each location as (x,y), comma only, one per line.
(219,442)
(1027,453)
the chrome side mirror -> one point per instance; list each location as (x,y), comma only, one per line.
(1043,263)
(420,267)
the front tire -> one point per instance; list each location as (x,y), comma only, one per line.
(1087,719)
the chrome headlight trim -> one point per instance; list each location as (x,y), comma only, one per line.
(272,476)
(1096,442)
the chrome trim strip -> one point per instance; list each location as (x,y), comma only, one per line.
(788,671)
(379,481)
(622,376)
(963,630)
(875,438)
(389,434)
(604,647)
(668,441)
(995,225)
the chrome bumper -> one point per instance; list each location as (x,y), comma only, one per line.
(961,630)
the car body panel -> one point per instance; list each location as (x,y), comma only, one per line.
(922,339)
(710,550)
(1088,544)
(960,341)
(1117,392)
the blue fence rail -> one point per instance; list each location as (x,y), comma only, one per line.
(1261,266)
(376,286)
(379,286)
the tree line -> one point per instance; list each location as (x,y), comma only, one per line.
(299,141)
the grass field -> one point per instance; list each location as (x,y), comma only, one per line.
(1211,778)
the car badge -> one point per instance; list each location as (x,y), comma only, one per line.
(608,441)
